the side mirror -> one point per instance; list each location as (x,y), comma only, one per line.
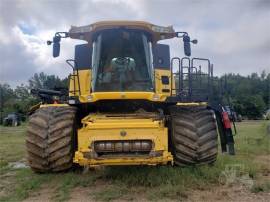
(187,49)
(194,41)
(56,46)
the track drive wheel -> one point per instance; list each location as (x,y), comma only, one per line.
(50,139)
(193,135)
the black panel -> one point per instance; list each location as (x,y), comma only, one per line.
(161,54)
(165,80)
(83,56)
(165,90)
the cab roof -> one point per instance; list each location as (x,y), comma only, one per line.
(86,32)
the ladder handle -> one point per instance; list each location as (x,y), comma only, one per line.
(179,63)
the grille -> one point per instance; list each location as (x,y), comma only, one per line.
(126,146)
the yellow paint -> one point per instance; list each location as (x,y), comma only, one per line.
(151,96)
(138,25)
(85,84)
(99,127)
(123,161)
(86,96)
(192,103)
(34,108)
(158,83)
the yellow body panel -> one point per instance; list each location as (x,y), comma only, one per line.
(99,127)
(158,83)
(85,83)
(79,158)
(86,32)
(86,95)
(151,96)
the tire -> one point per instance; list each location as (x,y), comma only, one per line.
(5,123)
(193,136)
(50,139)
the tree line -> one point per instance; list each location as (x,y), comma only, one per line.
(249,95)
(20,99)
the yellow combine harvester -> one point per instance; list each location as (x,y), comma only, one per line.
(127,105)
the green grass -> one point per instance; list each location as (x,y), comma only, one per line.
(16,183)
(70,180)
(24,183)
(132,182)
(111,193)
(261,187)
(253,138)
(12,144)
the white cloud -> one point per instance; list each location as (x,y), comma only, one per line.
(234,34)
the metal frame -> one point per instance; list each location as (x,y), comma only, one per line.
(186,92)
(73,76)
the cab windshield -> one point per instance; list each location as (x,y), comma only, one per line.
(122,61)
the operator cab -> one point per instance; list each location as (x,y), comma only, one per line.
(122,61)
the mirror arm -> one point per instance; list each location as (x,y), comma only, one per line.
(58,35)
(56,42)
(182,34)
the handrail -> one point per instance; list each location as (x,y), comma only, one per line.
(74,75)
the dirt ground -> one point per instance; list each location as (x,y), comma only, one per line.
(220,193)
(228,194)
(235,192)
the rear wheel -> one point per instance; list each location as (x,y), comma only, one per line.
(193,136)
(50,139)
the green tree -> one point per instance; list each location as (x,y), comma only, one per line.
(24,99)
(6,100)
(45,81)
(249,95)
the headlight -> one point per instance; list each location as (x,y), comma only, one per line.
(55,97)
(72,102)
(90,98)
(160,29)
(155,97)
(82,29)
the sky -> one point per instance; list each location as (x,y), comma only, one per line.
(233,34)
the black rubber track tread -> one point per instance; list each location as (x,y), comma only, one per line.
(49,140)
(194,136)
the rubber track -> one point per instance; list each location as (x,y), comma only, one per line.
(49,141)
(194,136)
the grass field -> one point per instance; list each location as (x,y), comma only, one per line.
(249,168)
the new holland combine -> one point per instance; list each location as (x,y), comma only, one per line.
(129,103)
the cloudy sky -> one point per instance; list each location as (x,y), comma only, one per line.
(234,34)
